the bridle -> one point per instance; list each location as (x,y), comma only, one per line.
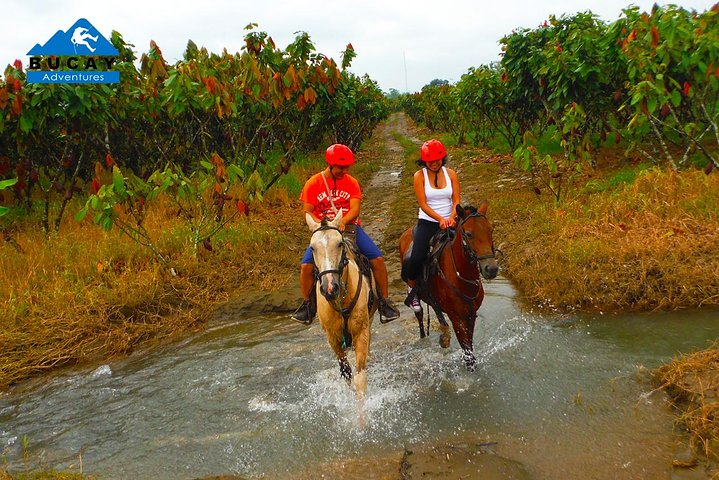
(473,258)
(343,258)
(344,261)
(468,250)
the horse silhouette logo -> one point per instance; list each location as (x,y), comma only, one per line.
(81,39)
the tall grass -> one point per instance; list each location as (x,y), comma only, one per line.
(86,293)
(646,244)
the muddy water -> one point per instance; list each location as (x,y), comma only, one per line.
(255,395)
(552,398)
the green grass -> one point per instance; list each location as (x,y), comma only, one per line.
(624,176)
(291,183)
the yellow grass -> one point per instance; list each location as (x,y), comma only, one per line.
(650,244)
(692,382)
(88,294)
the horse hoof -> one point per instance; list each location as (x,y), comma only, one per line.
(346,371)
(470,361)
(444,341)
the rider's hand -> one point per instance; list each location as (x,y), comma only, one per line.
(443,224)
(451,221)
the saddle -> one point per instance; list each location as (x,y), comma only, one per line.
(350,234)
(430,266)
(436,244)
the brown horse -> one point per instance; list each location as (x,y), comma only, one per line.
(453,285)
(345,304)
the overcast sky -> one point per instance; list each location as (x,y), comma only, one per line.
(400,44)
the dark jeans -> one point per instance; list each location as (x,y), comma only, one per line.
(420,249)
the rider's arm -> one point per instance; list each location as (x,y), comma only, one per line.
(422,197)
(353,212)
(309,208)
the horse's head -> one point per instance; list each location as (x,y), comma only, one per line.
(329,253)
(476,231)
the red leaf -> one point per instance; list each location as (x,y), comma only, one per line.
(655,36)
(95,185)
(687,87)
(17,64)
(16,107)
(4,96)
(109,161)
(242,207)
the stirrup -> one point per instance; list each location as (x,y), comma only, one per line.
(303,314)
(387,310)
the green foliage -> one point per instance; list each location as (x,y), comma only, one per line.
(622,177)
(485,107)
(356,108)
(672,61)
(200,198)
(3,185)
(648,80)
(291,184)
(258,109)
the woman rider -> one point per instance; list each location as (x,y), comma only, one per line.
(437,190)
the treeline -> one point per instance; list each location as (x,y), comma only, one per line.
(210,120)
(649,81)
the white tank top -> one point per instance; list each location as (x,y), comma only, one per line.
(438,199)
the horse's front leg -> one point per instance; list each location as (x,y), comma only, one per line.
(464,330)
(361,345)
(335,342)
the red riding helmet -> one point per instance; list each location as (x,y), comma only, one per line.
(432,150)
(339,155)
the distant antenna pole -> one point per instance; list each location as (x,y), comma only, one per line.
(406,86)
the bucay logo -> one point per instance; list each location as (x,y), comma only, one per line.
(78,55)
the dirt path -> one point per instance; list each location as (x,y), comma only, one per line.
(381,192)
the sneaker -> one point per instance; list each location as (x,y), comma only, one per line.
(303,314)
(412,301)
(388,311)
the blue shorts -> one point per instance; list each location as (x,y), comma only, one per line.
(365,245)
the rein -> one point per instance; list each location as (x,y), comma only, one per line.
(344,261)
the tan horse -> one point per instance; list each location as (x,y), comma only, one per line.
(343,295)
(454,284)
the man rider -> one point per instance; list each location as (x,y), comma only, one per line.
(323,195)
